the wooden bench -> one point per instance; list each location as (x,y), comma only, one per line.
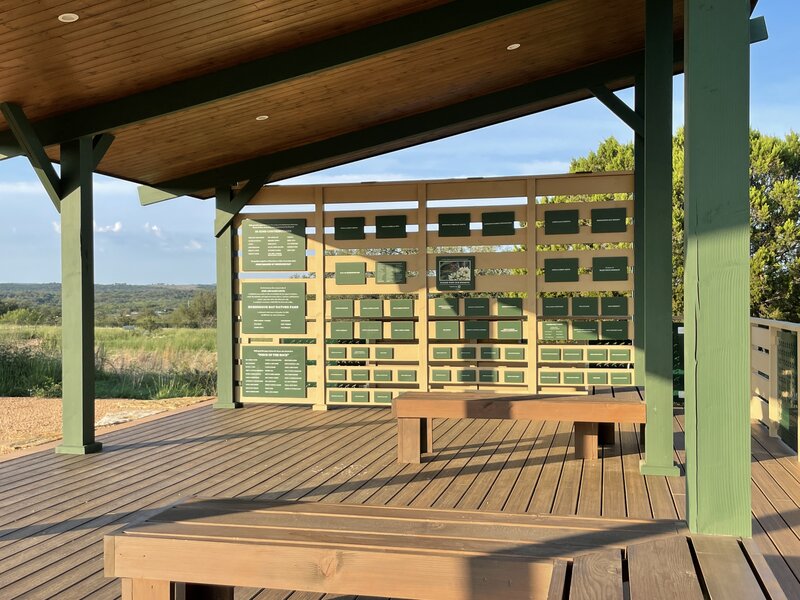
(594,416)
(204,547)
(670,567)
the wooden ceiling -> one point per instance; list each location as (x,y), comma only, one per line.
(118,48)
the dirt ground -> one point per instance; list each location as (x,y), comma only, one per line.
(28,422)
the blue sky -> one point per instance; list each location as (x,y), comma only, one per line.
(172,242)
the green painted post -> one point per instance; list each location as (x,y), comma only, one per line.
(639,244)
(658,67)
(77,300)
(717,303)
(225,331)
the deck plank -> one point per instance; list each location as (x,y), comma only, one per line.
(56,508)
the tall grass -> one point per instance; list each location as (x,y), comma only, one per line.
(129,364)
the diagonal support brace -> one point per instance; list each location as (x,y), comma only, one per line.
(56,187)
(33,149)
(619,108)
(237,203)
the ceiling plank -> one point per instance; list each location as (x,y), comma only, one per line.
(474,113)
(271,70)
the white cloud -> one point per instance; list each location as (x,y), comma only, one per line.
(115,228)
(56,226)
(193,246)
(154,229)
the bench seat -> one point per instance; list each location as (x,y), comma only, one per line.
(207,546)
(592,415)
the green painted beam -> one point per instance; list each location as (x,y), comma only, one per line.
(619,108)
(149,195)
(264,72)
(659,458)
(225,331)
(758,30)
(223,218)
(639,244)
(477,112)
(100,145)
(717,276)
(77,301)
(23,132)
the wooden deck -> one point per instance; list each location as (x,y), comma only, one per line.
(54,509)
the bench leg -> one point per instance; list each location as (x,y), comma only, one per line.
(606,434)
(586,440)
(146,589)
(199,591)
(426,444)
(409,440)
(641,436)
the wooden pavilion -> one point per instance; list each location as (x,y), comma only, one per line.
(218,99)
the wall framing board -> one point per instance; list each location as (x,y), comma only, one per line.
(375,321)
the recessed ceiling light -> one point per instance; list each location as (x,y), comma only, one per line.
(513,46)
(262,117)
(68,18)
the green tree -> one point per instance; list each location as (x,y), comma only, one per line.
(774,216)
(199,311)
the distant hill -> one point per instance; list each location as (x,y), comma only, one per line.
(115,304)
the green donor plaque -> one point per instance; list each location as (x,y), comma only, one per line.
(554,307)
(560,269)
(273,307)
(509,307)
(274,245)
(390,272)
(615,306)
(342,330)
(476,330)
(348,228)
(559,222)
(608,220)
(341,308)
(447,330)
(401,307)
(554,330)
(498,223)
(613,268)
(455,273)
(614,330)
(509,330)
(274,372)
(402,330)
(445,307)
(584,330)
(390,226)
(370,307)
(351,273)
(454,224)
(370,330)
(584,307)
(476,307)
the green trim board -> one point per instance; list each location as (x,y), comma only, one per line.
(390,226)
(455,273)
(351,273)
(274,372)
(498,223)
(454,224)
(561,222)
(609,220)
(349,228)
(610,268)
(560,270)
(273,244)
(278,308)
(390,272)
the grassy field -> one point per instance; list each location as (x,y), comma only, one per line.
(166,363)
